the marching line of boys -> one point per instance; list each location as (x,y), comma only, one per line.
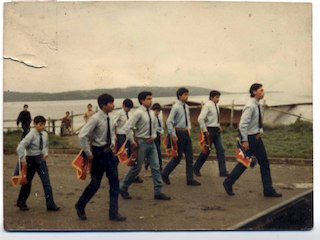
(143,129)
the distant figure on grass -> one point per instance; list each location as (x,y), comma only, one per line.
(33,152)
(97,138)
(251,131)
(209,121)
(25,119)
(179,127)
(143,124)
(66,125)
(89,113)
(120,119)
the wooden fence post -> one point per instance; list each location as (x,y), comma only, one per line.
(232,114)
(72,123)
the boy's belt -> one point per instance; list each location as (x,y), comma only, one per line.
(181,129)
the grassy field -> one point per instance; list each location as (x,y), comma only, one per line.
(293,141)
(11,140)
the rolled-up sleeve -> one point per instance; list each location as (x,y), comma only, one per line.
(245,121)
(84,135)
(45,150)
(23,145)
(201,119)
(170,121)
(129,126)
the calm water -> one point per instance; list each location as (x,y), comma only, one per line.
(57,109)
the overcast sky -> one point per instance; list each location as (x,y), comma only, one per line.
(224,46)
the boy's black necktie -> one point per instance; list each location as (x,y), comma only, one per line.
(260,119)
(158,121)
(41,142)
(108,133)
(185,114)
(127,115)
(218,115)
(150,131)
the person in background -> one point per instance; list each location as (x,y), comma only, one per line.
(97,139)
(143,121)
(120,119)
(179,127)
(33,152)
(66,125)
(251,131)
(25,119)
(89,113)
(209,121)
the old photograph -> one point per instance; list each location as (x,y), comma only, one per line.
(157,116)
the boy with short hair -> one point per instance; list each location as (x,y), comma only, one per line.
(156,107)
(33,152)
(143,121)
(97,139)
(209,121)
(251,131)
(120,119)
(179,126)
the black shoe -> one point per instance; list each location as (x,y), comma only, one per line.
(224,174)
(193,183)
(228,188)
(273,194)
(53,208)
(125,195)
(22,206)
(138,179)
(117,218)
(81,213)
(197,172)
(165,179)
(161,196)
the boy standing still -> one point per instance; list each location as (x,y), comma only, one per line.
(33,152)
(25,119)
(251,130)
(143,121)
(209,121)
(179,126)
(100,133)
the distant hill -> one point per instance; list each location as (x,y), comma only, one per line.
(130,92)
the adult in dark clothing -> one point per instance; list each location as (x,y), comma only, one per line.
(25,119)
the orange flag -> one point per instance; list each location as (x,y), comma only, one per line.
(123,155)
(244,156)
(82,165)
(19,174)
(203,143)
(171,148)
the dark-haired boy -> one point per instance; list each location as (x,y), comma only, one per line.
(179,126)
(209,121)
(99,132)
(251,130)
(120,119)
(33,152)
(143,121)
(156,108)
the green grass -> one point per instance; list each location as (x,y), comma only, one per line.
(11,140)
(293,141)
